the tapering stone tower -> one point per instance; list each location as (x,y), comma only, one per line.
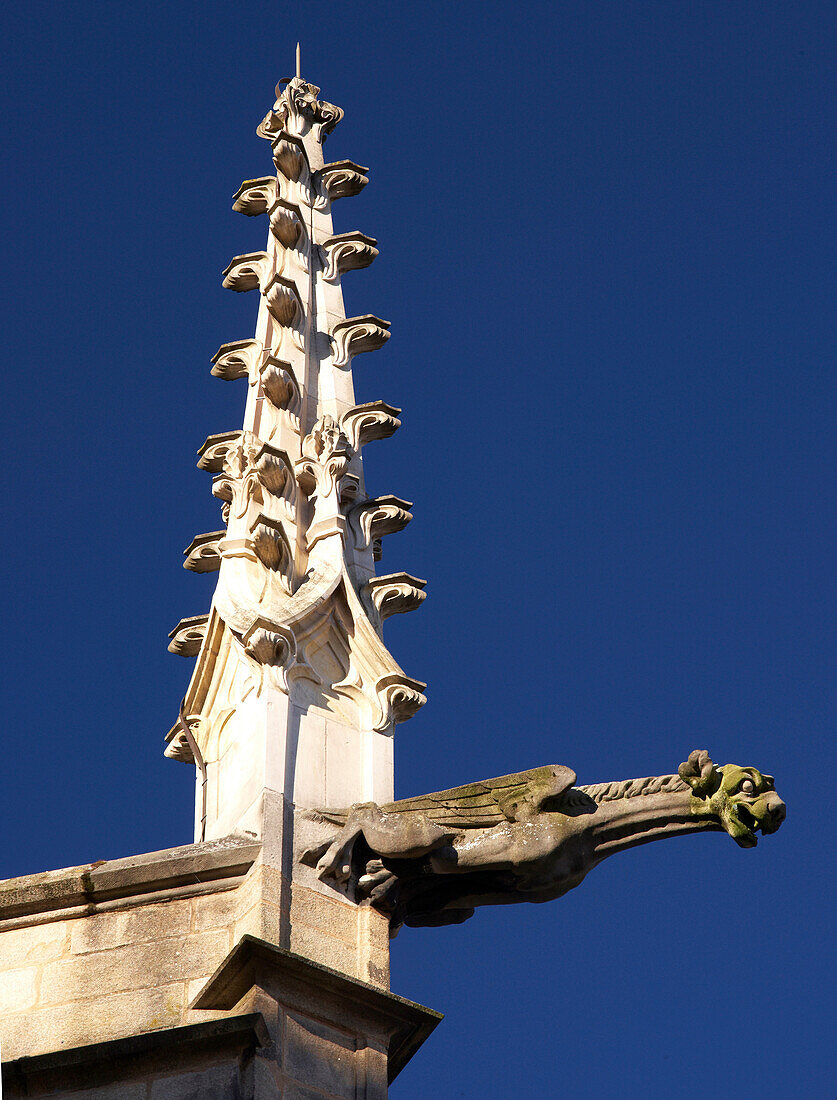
(294,695)
(294,698)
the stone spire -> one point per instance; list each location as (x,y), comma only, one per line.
(295,697)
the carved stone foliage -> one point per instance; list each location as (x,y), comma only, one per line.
(255,197)
(271,649)
(343,178)
(202,554)
(283,301)
(237,359)
(395,593)
(531,836)
(280,385)
(271,545)
(214,451)
(297,110)
(371,420)
(286,224)
(187,637)
(372,519)
(289,157)
(356,335)
(399,697)
(247,272)
(325,457)
(251,469)
(347,252)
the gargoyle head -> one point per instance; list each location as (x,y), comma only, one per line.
(742,799)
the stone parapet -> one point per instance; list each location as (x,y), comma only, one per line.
(103,951)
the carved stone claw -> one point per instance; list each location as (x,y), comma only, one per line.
(336,864)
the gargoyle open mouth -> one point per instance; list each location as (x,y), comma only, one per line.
(742,824)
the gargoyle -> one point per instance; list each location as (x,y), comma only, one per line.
(531,836)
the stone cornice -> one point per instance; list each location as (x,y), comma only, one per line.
(405,1023)
(120,883)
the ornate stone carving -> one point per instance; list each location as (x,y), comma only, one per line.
(286,224)
(320,474)
(395,593)
(326,453)
(347,252)
(283,301)
(379,516)
(271,545)
(237,359)
(214,451)
(246,272)
(298,110)
(372,420)
(356,335)
(343,178)
(399,697)
(531,836)
(187,637)
(289,156)
(251,467)
(273,650)
(280,385)
(255,197)
(202,554)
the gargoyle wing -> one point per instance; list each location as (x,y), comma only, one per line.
(490,801)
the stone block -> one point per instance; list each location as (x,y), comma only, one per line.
(18,990)
(214,911)
(321,948)
(136,966)
(102,931)
(215,1082)
(320,1056)
(35,944)
(320,913)
(44,1030)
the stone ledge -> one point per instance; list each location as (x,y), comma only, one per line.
(407,1024)
(119,1059)
(134,877)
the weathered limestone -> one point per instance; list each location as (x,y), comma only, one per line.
(102,969)
(294,695)
(531,836)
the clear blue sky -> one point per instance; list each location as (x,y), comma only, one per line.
(607,241)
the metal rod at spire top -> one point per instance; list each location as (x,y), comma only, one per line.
(298,62)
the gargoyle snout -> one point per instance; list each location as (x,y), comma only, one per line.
(775,814)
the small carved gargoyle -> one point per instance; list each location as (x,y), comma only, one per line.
(531,836)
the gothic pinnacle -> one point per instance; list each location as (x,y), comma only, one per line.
(297,615)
